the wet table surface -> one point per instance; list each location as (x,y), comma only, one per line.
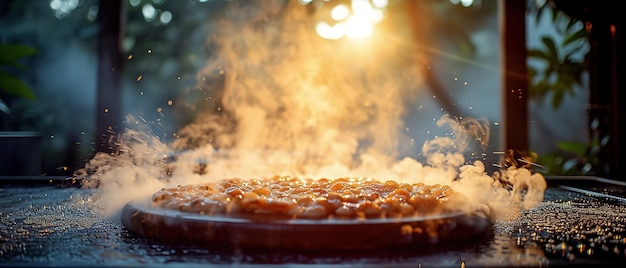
(578,224)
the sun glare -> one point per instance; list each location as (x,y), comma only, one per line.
(354,21)
(359,27)
(333,32)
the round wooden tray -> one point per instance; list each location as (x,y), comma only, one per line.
(269,232)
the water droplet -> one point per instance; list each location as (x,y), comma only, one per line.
(465,83)
(149,51)
(106,110)
(170,102)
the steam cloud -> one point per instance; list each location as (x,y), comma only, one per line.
(286,102)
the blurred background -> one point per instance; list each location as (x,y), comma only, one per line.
(72,70)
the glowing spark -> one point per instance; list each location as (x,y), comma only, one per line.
(530,163)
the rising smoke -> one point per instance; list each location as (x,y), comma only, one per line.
(291,103)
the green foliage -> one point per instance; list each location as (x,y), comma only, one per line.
(562,73)
(11,87)
(9,58)
(571,158)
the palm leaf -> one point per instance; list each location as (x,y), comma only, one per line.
(12,52)
(14,86)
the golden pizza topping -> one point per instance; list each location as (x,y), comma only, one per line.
(342,198)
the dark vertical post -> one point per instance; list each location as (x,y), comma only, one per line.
(617,96)
(606,83)
(110,21)
(515,82)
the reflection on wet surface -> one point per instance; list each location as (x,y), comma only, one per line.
(61,226)
(573,226)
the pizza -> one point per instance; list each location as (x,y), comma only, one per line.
(291,213)
(298,198)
